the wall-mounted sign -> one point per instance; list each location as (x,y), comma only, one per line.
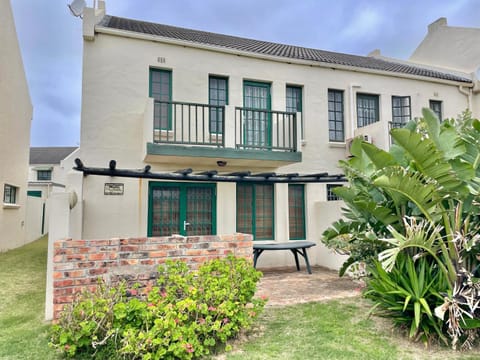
(113,189)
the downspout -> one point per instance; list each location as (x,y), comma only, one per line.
(352,109)
(467,91)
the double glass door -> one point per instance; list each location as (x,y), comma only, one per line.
(185,209)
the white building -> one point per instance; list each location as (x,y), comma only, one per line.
(47,174)
(172,98)
(15,120)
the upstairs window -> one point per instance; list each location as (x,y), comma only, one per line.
(436,107)
(401,111)
(10,194)
(217,95)
(294,102)
(336,128)
(161,92)
(367,109)
(44,175)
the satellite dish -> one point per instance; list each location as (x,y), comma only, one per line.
(76,7)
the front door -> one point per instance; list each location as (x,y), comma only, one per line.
(185,209)
(257,118)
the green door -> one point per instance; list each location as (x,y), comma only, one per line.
(185,209)
(257,118)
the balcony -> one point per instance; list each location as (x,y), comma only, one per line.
(183,133)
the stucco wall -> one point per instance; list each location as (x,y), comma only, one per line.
(115,94)
(15,120)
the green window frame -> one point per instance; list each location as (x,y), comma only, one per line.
(217,95)
(255,210)
(436,107)
(331,196)
(173,206)
(257,125)
(10,194)
(43,175)
(336,123)
(367,109)
(294,101)
(296,211)
(401,110)
(160,89)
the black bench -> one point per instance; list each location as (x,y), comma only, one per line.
(296,247)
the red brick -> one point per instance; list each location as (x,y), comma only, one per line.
(75,243)
(195,252)
(57,275)
(147,262)
(114,242)
(129,262)
(63,299)
(76,257)
(62,283)
(137,240)
(156,254)
(99,271)
(129,248)
(113,256)
(97,256)
(58,258)
(88,264)
(198,259)
(74,274)
(193,239)
(63,266)
(58,244)
(99,242)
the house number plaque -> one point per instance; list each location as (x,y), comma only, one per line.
(113,189)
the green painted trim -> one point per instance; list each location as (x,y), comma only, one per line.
(183,201)
(34,193)
(228,153)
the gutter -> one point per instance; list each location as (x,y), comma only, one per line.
(467,91)
(159,39)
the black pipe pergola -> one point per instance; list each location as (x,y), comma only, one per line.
(208,176)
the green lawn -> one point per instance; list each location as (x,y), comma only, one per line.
(23,332)
(329,330)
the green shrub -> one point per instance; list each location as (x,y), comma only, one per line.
(408,294)
(187,315)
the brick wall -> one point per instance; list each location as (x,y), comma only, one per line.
(77,264)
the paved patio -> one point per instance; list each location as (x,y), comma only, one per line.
(287,286)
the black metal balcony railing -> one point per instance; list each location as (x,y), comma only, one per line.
(185,123)
(188,123)
(265,130)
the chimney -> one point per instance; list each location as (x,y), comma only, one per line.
(437,24)
(91,17)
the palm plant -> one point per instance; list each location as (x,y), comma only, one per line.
(419,198)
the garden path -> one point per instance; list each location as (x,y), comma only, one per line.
(286,286)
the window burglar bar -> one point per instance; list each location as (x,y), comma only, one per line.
(265,130)
(188,123)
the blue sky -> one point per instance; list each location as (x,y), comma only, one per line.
(51,42)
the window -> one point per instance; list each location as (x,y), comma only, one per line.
(10,194)
(217,95)
(401,113)
(436,107)
(336,131)
(44,174)
(255,210)
(331,196)
(296,211)
(161,92)
(294,102)
(367,109)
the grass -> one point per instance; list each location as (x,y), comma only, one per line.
(332,330)
(328,330)
(23,331)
